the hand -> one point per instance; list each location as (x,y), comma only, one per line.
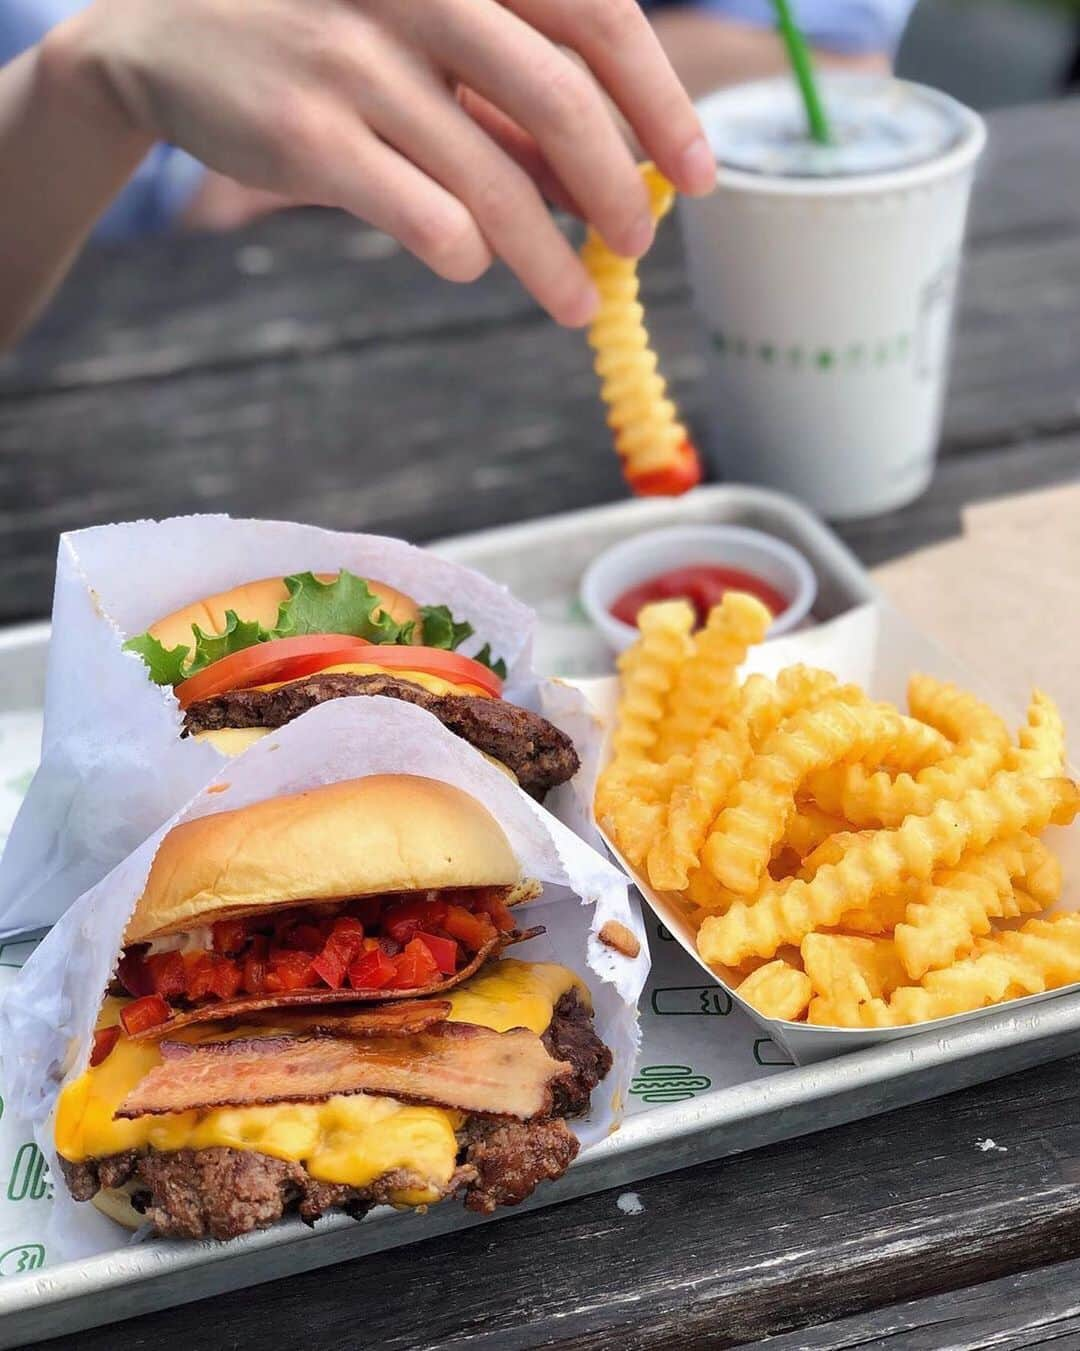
(431,119)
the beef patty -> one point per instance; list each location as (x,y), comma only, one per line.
(220,1193)
(539,754)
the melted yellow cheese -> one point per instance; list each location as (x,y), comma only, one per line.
(436,684)
(349,1139)
(233,740)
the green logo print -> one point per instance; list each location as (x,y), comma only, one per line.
(29,1180)
(18,1261)
(692,999)
(668,1083)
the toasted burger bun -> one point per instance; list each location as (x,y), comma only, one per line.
(362,837)
(260,600)
(116,1203)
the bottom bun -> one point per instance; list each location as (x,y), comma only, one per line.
(116,1203)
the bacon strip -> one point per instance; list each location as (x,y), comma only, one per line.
(455,1065)
(222,1009)
(404,1019)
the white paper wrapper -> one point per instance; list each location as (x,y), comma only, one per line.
(877,648)
(48,1014)
(112,766)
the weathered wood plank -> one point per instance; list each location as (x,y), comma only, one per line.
(786,1237)
(313,281)
(1033,1308)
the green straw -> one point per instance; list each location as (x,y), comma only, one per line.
(803,67)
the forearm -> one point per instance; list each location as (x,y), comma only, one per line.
(708,51)
(65,151)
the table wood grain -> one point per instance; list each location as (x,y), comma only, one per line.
(308,369)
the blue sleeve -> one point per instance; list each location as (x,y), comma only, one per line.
(851,26)
(161,188)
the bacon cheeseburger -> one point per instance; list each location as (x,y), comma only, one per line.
(253,658)
(312,1012)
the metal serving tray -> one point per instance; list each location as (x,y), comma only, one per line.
(678,1117)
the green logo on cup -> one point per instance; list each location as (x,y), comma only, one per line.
(668,1083)
(29,1177)
(18,1261)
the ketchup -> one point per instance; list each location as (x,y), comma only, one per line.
(702,584)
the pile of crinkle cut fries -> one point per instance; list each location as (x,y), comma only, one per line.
(843,863)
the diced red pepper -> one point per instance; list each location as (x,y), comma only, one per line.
(402,919)
(372,970)
(144,1013)
(105,1038)
(444,951)
(259,947)
(342,947)
(492,904)
(133,975)
(415,967)
(166,974)
(472,931)
(253,975)
(289,971)
(229,935)
(211,975)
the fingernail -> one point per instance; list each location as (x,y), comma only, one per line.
(697,168)
(640,237)
(582,309)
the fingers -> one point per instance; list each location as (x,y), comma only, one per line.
(377,184)
(519,145)
(420,118)
(621,49)
(545,92)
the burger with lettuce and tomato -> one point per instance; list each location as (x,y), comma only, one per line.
(251,659)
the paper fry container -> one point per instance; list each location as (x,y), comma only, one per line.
(877,648)
(113,766)
(47,1017)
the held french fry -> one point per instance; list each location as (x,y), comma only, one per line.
(656,452)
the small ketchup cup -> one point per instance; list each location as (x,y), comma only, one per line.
(643,557)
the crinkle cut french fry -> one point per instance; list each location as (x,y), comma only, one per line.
(721,759)
(875,797)
(787,912)
(1042,955)
(741,841)
(809,828)
(956,906)
(705,692)
(1042,871)
(1042,738)
(777,990)
(851,968)
(648,671)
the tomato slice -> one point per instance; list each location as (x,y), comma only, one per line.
(105,1038)
(279,659)
(451,666)
(144,1013)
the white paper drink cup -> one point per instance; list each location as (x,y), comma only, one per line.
(827,299)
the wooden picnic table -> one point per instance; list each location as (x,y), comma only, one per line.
(308,369)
